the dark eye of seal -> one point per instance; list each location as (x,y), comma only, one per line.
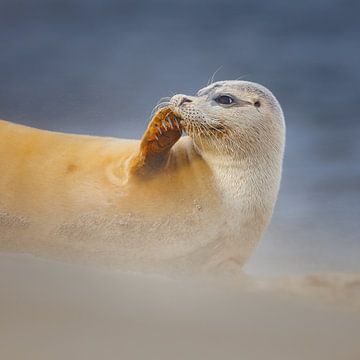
(224,100)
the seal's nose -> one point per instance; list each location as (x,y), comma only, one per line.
(180,99)
(184,100)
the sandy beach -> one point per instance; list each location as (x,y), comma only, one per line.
(51,310)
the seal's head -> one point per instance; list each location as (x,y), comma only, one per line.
(231,118)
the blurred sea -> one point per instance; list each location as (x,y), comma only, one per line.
(99,67)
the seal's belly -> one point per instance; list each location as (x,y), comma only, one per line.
(113,234)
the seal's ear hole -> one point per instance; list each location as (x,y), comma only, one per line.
(257,103)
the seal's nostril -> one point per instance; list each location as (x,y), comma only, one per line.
(184,100)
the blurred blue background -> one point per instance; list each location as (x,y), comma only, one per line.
(99,67)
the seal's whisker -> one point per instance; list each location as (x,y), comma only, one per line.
(158,107)
(215,143)
(165,98)
(161,105)
(242,77)
(200,137)
(208,129)
(225,134)
(211,80)
(167,102)
(232,143)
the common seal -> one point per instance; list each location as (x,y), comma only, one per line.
(194,203)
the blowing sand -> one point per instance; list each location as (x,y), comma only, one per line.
(50,310)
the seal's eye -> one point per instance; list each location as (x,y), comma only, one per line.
(224,100)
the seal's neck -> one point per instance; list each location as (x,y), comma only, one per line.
(249,184)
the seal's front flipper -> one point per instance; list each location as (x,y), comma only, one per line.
(162,133)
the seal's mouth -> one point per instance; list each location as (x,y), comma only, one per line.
(198,127)
(203,130)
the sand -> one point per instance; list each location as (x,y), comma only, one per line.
(51,310)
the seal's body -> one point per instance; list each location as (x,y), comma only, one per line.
(196,203)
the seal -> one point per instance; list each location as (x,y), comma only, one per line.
(190,204)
